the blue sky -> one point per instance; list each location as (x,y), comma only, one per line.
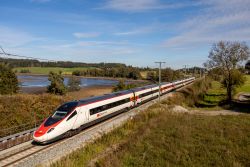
(135,32)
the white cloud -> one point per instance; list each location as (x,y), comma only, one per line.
(139,5)
(12,37)
(219,20)
(86,35)
(138,30)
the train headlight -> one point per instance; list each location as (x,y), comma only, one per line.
(50,130)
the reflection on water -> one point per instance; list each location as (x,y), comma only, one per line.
(42,81)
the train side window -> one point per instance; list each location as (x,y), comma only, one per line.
(105,107)
(72,115)
(92,111)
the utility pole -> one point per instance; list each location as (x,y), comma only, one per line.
(160,63)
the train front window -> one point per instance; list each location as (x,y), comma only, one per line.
(61,113)
(68,107)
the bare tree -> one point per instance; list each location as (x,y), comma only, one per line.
(227,56)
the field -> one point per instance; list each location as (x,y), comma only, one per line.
(46,70)
(246,86)
(159,137)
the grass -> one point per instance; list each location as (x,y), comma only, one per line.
(216,94)
(246,86)
(46,70)
(162,138)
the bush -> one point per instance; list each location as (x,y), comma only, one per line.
(56,84)
(74,84)
(122,86)
(8,80)
(76,73)
(192,94)
(24,71)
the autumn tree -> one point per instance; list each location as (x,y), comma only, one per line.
(227,56)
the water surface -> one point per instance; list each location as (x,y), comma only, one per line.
(42,81)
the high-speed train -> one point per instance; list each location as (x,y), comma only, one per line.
(76,115)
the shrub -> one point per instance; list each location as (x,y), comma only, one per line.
(76,73)
(74,84)
(56,84)
(24,71)
(122,86)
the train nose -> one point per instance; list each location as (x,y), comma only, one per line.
(40,135)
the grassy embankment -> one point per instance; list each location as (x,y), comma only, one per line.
(19,109)
(246,86)
(46,70)
(159,137)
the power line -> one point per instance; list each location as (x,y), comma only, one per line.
(27,57)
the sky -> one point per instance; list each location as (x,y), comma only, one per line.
(134,32)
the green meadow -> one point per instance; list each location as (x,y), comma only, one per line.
(46,70)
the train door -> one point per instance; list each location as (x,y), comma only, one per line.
(82,117)
(133,100)
(70,121)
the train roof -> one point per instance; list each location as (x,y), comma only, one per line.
(104,97)
(143,87)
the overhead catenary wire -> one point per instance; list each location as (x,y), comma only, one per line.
(20,56)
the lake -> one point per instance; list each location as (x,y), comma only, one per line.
(42,81)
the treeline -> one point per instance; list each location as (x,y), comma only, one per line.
(65,64)
(114,72)
(167,75)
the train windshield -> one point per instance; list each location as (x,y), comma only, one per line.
(61,113)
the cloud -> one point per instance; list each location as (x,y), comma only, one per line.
(138,5)
(138,30)
(218,20)
(40,1)
(12,37)
(86,35)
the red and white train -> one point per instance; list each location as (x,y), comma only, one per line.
(77,115)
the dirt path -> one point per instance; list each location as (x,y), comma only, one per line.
(181,109)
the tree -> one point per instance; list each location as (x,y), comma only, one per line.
(8,80)
(151,75)
(167,75)
(247,67)
(122,86)
(56,83)
(227,56)
(74,83)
